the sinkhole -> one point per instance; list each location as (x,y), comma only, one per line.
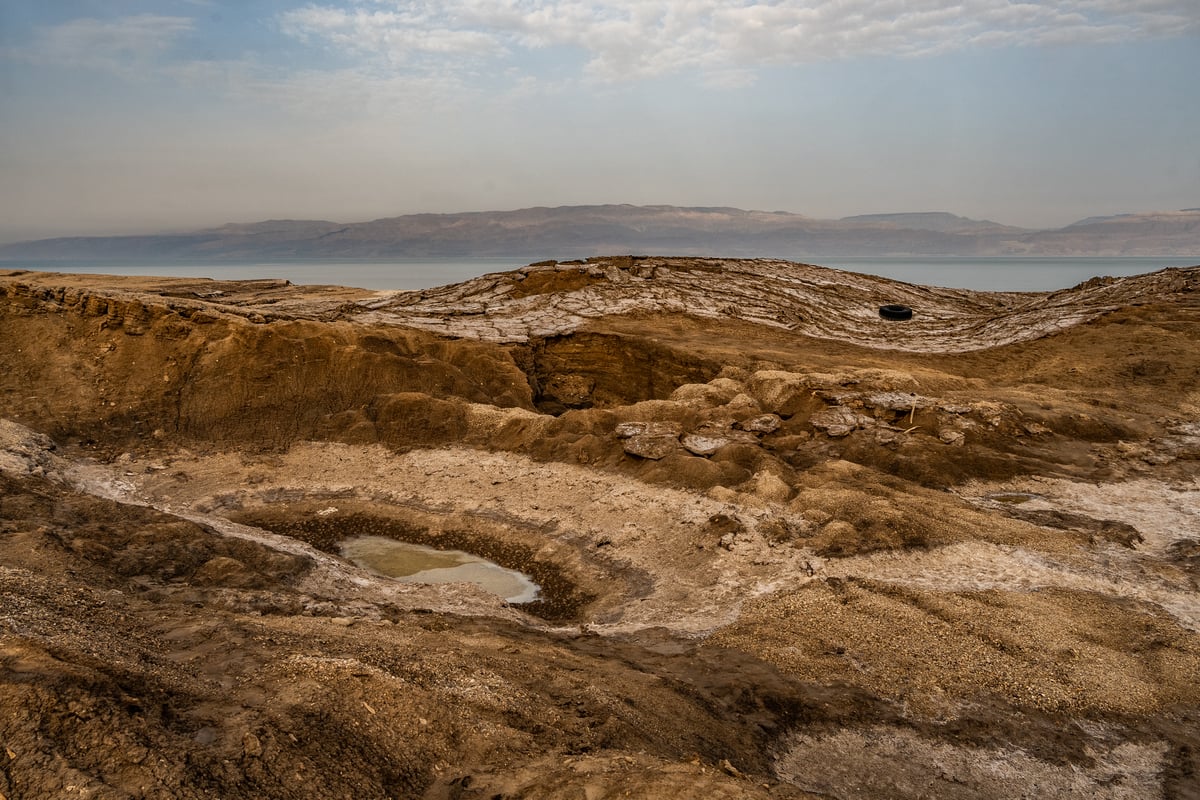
(415,563)
(426,546)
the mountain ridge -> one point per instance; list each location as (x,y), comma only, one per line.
(573,231)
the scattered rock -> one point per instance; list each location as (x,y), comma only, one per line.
(951,437)
(251,746)
(954,408)
(991,413)
(886,436)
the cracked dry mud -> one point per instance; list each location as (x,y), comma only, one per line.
(787,549)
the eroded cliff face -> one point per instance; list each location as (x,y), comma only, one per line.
(114,365)
(786,547)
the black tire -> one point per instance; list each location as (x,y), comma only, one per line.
(895,312)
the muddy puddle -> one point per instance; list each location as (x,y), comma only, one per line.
(414,563)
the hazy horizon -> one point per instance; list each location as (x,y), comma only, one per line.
(176,115)
(184,229)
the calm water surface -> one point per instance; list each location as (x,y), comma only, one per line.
(414,563)
(1000,274)
(986,274)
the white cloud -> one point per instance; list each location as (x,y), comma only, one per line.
(399,57)
(117,44)
(329,94)
(722,40)
(399,37)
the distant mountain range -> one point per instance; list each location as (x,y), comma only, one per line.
(574,231)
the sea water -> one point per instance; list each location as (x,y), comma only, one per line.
(1006,274)
(998,274)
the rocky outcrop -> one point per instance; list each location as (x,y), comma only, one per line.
(799,298)
(264,364)
(235,367)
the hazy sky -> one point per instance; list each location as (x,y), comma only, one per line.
(129,116)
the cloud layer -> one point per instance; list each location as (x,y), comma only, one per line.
(721,39)
(114,44)
(547,43)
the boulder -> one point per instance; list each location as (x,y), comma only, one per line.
(716,392)
(898,401)
(763,423)
(838,421)
(627,430)
(742,406)
(788,442)
(778,391)
(704,445)
(681,469)
(651,446)
(770,486)
(655,411)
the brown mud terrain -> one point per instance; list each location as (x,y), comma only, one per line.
(786,548)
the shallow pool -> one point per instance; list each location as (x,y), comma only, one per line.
(414,563)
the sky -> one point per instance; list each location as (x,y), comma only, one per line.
(128,116)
